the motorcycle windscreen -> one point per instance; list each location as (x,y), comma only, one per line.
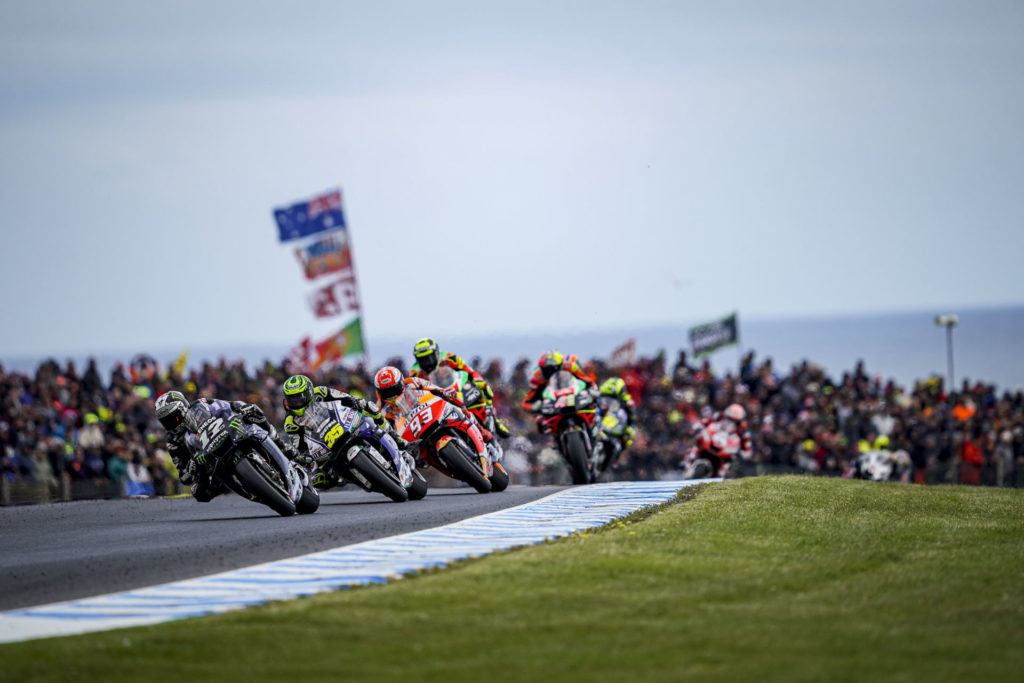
(198,414)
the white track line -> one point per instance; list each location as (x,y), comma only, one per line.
(377,561)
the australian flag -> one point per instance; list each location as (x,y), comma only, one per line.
(319,214)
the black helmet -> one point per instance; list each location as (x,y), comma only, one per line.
(170,410)
(427,353)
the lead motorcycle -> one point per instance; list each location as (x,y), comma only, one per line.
(446,436)
(249,463)
(458,385)
(347,444)
(568,412)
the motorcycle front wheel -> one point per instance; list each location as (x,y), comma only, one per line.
(263,488)
(380,480)
(465,467)
(576,455)
(499,478)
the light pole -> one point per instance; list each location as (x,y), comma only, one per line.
(949,321)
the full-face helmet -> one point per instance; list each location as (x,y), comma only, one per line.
(170,410)
(298,394)
(389,383)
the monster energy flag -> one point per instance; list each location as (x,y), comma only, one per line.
(706,338)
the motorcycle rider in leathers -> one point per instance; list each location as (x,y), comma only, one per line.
(299,393)
(178,417)
(392,386)
(429,358)
(551,362)
(615,387)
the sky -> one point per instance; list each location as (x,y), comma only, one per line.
(507,168)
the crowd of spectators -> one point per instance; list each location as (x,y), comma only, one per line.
(62,423)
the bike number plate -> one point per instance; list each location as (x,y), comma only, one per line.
(421,419)
(210,431)
(332,436)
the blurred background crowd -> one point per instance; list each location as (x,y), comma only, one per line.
(98,436)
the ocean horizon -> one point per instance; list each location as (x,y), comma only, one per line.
(908,346)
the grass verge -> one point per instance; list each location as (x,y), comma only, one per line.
(782,578)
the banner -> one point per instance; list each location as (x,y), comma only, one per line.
(329,254)
(714,335)
(300,357)
(347,342)
(320,214)
(340,296)
(623,355)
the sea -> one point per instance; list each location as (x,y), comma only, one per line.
(987,346)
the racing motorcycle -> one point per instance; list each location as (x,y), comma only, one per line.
(568,411)
(440,431)
(713,454)
(880,465)
(609,446)
(248,462)
(346,444)
(458,385)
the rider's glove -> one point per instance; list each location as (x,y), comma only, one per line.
(252,413)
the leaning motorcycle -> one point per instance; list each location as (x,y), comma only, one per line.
(346,443)
(716,447)
(614,422)
(458,385)
(248,462)
(568,411)
(446,436)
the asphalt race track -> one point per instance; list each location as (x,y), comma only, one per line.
(64,551)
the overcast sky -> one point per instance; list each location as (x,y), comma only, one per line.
(506,167)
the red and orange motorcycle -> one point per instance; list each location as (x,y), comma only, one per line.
(447,438)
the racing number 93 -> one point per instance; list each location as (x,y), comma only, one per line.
(337,431)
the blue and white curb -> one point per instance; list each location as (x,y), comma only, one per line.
(377,561)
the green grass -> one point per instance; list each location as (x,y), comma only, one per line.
(780,578)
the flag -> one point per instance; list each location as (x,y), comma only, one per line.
(329,254)
(347,342)
(714,335)
(320,214)
(335,298)
(300,356)
(179,363)
(624,354)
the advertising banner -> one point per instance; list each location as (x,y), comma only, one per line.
(329,254)
(714,335)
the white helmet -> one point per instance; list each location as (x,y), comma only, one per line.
(735,413)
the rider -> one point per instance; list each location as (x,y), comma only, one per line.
(551,362)
(391,388)
(615,387)
(299,393)
(734,420)
(429,358)
(172,410)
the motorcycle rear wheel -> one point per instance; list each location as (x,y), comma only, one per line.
(576,456)
(265,490)
(465,467)
(380,481)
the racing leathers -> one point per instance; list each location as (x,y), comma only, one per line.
(713,444)
(297,431)
(455,363)
(616,388)
(409,399)
(187,453)
(538,382)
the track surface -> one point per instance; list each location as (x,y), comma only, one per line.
(64,551)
